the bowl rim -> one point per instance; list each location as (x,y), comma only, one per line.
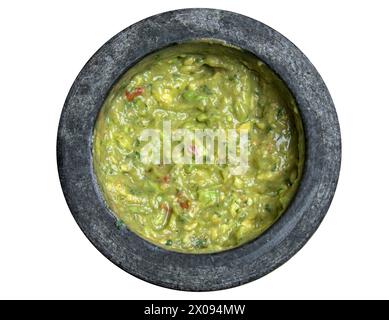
(206,271)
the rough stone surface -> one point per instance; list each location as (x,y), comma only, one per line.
(208,271)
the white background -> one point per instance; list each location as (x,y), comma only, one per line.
(43,46)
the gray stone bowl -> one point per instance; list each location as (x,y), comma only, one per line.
(202,272)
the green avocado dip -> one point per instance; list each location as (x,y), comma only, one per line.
(198,207)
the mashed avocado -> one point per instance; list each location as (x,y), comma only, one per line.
(199,208)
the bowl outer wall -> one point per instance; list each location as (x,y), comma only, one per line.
(206,271)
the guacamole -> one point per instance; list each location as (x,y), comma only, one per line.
(198,207)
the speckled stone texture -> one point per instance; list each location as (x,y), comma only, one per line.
(208,271)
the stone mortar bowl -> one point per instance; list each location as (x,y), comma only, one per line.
(198,272)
